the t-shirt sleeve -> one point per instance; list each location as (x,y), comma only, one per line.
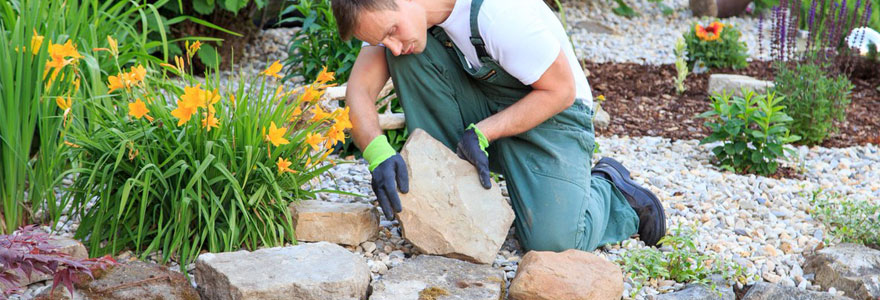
(521,43)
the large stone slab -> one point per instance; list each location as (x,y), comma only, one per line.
(447,212)
(699,292)
(135,280)
(569,275)
(735,84)
(435,277)
(769,291)
(340,223)
(851,268)
(303,272)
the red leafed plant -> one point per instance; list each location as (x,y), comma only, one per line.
(28,250)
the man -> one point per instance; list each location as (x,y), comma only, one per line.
(497,81)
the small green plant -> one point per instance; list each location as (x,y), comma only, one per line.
(684,263)
(752,130)
(681,68)
(716,45)
(813,99)
(849,221)
(872,52)
(318,43)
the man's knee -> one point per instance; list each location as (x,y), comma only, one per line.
(548,238)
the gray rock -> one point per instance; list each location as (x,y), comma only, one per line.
(769,291)
(699,292)
(853,269)
(306,271)
(735,84)
(428,275)
(446,211)
(340,223)
(601,118)
(134,280)
(708,8)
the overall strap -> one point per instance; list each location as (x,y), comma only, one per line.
(476,40)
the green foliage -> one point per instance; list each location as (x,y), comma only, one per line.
(821,15)
(752,130)
(318,43)
(763,5)
(723,51)
(849,221)
(31,128)
(682,263)
(813,99)
(680,66)
(624,10)
(872,52)
(207,7)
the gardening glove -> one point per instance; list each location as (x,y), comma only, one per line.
(389,174)
(472,147)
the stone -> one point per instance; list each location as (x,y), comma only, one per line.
(707,8)
(734,84)
(133,280)
(307,271)
(429,276)
(769,291)
(699,292)
(569,275)
(601,118)
(339,223)
(594,26)
(73,248)
(851,268)
(446,211)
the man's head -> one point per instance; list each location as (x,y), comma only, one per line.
(398,24)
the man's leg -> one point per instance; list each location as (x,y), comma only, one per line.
(436,93)
(558,204)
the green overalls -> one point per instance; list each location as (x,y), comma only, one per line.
(558,204)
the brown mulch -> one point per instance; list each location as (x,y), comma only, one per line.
(642,101)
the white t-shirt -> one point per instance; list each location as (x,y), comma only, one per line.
(524,36)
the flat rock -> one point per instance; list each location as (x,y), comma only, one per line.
(135,280)
(735,84)
(340,223)
(769,291)
(447,212)
(699,292)
(73,248)
(435,277)
(303,272)
(569,275)
(851,268)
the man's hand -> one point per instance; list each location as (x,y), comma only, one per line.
(385,175)
(472,147)
(389,174)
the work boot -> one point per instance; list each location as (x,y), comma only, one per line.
(652,219)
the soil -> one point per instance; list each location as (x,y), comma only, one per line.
(231,45)
(642,101)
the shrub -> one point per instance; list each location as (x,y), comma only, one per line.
(849,221)
(213,171)
(683,263)
(28,250)
(752,130)
(812,99)
(318,44)
(716,46)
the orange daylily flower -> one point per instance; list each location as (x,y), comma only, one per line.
(182,112)
(193,97)
(138,73)
(276,135)
(191,49)
(210,121)
(36,42)
(114,46)
(137,109)
(311,94)
(336,134)
(273,70)
(114,83)
(342,119)
(324,76)
(62,103)
(284,166)
(314,140)
(318,114)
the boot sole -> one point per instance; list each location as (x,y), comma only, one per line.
(623,173)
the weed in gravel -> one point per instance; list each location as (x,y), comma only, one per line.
(848,221)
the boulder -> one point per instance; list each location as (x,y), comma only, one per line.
(735,84)
(340,223)
(430,277)
(601,118)
(73,248)
(135,280)
(447,212)
(851,268)
(699,292)
(769,291)
(303,272)
(569,275)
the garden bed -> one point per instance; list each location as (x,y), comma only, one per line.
(642,102)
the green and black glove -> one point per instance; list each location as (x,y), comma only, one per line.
(472,147)
(389,174)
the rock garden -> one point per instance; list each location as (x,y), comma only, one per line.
(202,150)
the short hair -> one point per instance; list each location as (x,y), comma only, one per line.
(346,13)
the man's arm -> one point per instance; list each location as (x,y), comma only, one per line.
(368,76)
(550,95)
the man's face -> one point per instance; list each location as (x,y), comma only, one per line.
(402,31)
